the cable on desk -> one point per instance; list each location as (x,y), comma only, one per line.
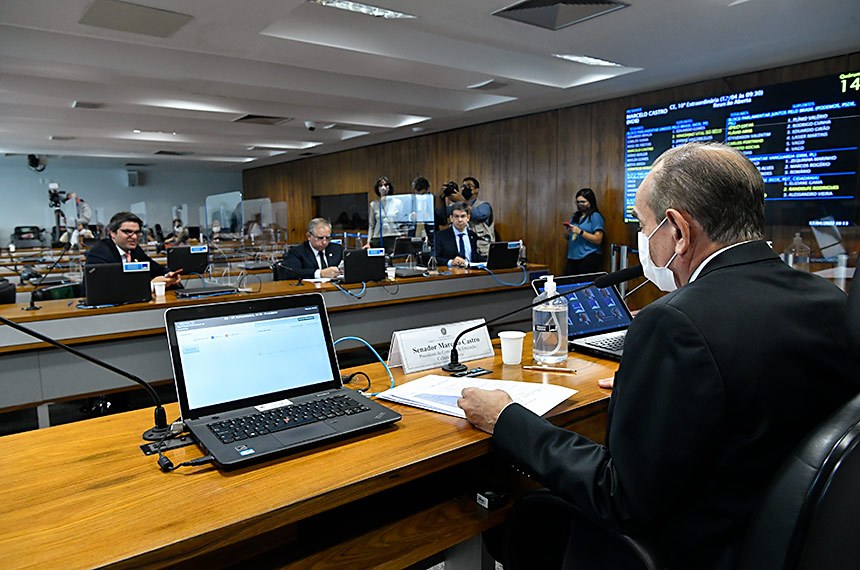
(376,354)
(358,295)
(164,462)
(384,288)
(350,377)
(500,282)
(241,281)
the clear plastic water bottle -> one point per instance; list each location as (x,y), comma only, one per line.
(797,254)
(432,268)
(549,327)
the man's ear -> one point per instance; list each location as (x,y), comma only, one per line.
(681,230)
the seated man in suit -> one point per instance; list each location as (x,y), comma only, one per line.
(452,246)
(124,230)
(710,396)
(317,256)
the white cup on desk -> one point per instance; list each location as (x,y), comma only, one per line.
(159,288)
(391,273)
(512,346)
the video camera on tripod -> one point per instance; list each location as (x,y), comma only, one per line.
(56,197)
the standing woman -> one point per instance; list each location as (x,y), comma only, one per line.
(584,234)
(383,214)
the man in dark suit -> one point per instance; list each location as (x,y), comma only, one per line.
(719,381)
(457,245)
(124,230)
(317,256)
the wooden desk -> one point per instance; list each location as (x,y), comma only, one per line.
(132,337)
(83,495)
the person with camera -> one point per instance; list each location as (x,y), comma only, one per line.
(481,219)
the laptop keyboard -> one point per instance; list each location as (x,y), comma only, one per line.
(262,423)
(611,343)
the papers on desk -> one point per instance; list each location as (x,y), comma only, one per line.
(440,393)
(317,279)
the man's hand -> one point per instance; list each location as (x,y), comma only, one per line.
(330,272)
(170,278)
(459,262)
(483,407)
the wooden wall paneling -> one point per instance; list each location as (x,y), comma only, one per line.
(575,144)
(511,200)
(543,207)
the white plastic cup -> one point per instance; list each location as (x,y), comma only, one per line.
(391,273)
(159,287)
(512,346)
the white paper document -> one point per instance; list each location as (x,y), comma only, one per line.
(440,393)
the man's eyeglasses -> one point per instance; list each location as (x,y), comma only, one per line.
(129,233)
(321,238)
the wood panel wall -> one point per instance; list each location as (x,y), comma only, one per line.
(530,167)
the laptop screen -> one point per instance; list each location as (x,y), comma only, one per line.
(234,355)
(590,311)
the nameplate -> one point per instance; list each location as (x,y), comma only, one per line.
(430,347)
(135,266)
(199,249)
(375,252)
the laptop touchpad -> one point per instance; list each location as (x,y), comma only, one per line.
(303,433)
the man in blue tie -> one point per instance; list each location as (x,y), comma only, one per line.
(458,245)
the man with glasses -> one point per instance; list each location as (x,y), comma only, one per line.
(124,230)
(719,381)
(317,257)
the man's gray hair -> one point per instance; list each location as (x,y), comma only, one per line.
(312,225)
(714,183)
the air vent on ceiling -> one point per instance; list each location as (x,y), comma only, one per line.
(263,119)
(134,18)
(87,105)
(138,164)
(173,153)
(307,154)
(61,138)
(557,14)
(490,85)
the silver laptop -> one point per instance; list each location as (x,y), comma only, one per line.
(597,319)
(259,378)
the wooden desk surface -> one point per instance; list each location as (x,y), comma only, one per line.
(83,495)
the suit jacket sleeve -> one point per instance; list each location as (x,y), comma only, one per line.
(155,268)
(476,255)
(299,260)
(101,252)
(446,250)
(663,422)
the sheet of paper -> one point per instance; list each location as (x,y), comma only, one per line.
(317,280)
(440,393)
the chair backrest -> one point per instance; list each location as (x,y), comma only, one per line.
(811,511)
(61,291)
(853,315)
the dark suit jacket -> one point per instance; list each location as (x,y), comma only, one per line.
(104,251)
(718,382)
(447,247)
(302,259)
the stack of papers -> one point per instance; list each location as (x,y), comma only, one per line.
(440,393)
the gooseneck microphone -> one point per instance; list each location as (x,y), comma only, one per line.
(33,307)
(160,429)
(601,282)
(619,277)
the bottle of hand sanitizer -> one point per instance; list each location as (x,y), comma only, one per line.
(549,327)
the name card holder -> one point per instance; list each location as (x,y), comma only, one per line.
(430,347)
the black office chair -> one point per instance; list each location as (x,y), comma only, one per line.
(61,291)
(7,291)
(853,316)
(807,519)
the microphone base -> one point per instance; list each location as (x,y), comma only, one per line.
(156,433)
(31,308)
(455,367)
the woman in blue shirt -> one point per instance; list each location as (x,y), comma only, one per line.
(584,234)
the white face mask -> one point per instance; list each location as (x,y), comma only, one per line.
(662,277)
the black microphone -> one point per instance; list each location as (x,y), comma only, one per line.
(33,307)
(601,282)
(159,431)
(618,277)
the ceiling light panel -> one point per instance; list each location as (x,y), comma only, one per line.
(134,18)
(365,9)
(586,60)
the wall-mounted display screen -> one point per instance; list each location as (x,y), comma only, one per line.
(802,136)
